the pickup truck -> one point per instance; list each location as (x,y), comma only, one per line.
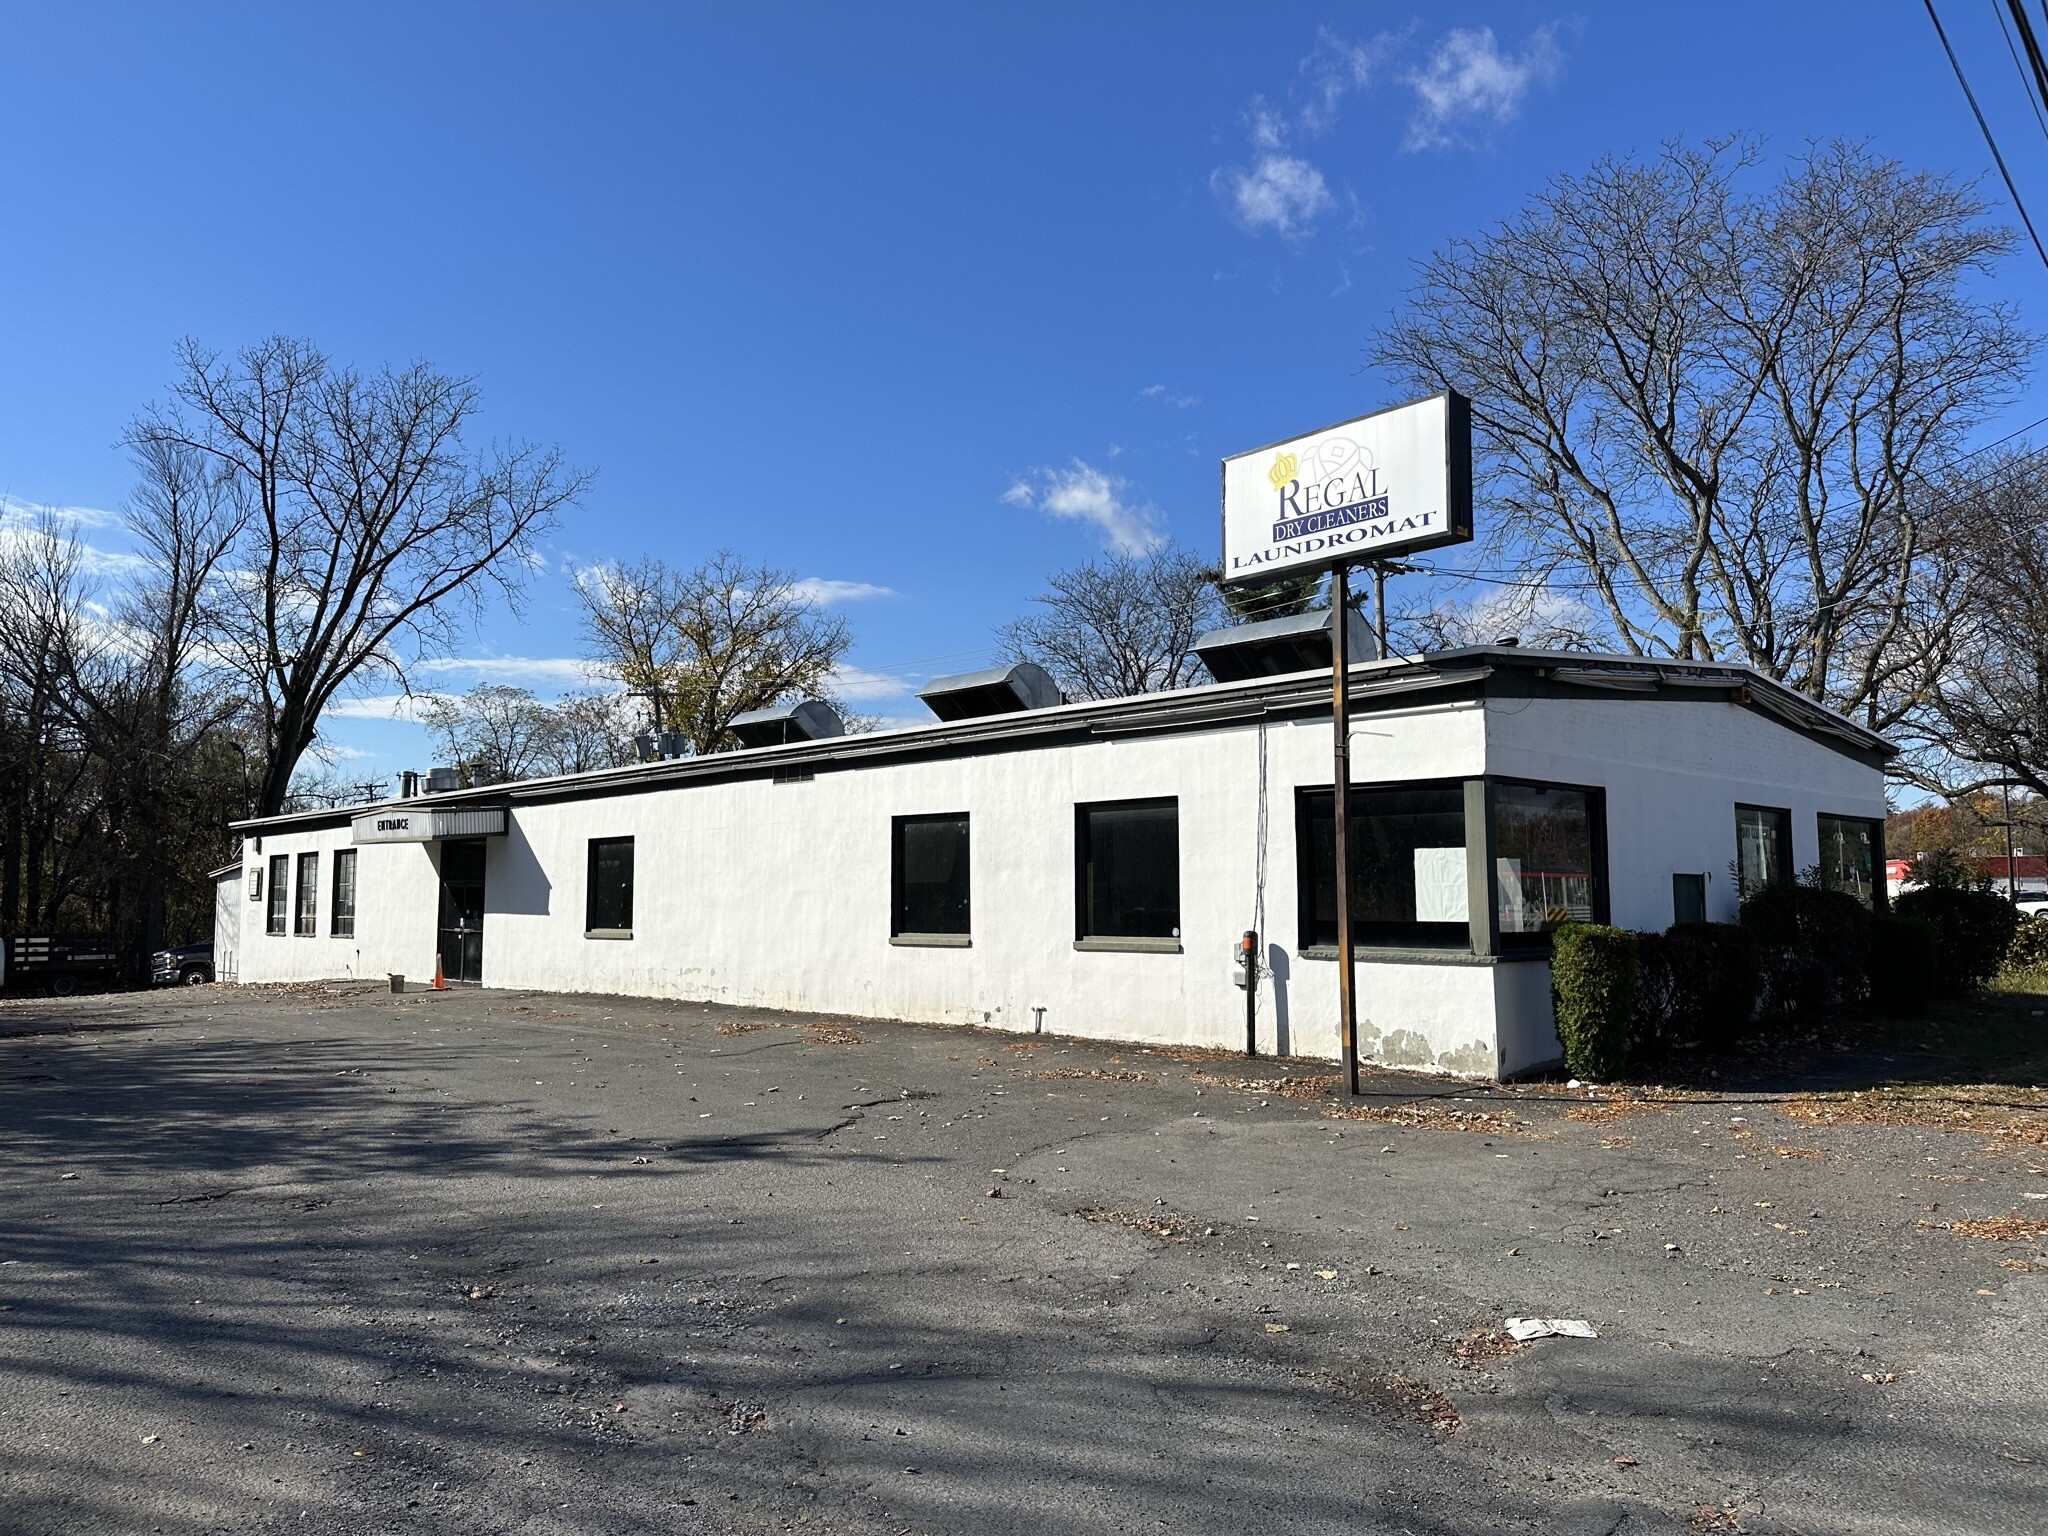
(189,965)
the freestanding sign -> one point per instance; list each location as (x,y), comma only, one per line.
(1367,489)
(1390,483)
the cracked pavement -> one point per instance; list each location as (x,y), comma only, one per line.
(319,1258)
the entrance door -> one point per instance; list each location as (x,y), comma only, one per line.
(462,910)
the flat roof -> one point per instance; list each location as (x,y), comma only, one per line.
(1464,674)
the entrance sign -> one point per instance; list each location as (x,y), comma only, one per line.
(1368,489)
(413,824)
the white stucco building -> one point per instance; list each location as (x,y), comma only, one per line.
(1090,868)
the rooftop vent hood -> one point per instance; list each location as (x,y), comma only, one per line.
(993,691)
(1271,647)
(441,781)
(811,720)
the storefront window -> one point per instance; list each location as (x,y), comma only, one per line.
(1849,856)
(1763,848)
(1407,866)
(1546,859)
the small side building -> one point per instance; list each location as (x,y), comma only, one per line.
(1091,868)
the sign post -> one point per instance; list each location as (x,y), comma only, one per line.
(1340,782)
(1377,486)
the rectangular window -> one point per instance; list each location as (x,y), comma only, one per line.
(1763,848)
(280,887)
(608,898)
(1548,860)
(1851,857)
(1689,898)
(928,884)
(341,914)
(1407,866)
(306,918)
(1127,857)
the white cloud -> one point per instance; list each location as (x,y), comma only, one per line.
(382,706)
(522,671)
(823,589)
(1332,70)
(1083,493)
(1469,79)
(13,509)
(857,684)
(1283,193)
(1178,401)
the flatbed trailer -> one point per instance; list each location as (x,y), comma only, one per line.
(63,962)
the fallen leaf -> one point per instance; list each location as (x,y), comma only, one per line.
(1278,1328)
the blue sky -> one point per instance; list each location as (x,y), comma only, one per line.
(918,302)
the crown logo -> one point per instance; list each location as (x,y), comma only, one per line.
(1284,466)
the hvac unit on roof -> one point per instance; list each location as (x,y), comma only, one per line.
(1273,647)
(993,691)
(810,720)
(441,781)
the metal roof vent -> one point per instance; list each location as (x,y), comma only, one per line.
(1273,647)
(810,720)
(441,781)
(993,691)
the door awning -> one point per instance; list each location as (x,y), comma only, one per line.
(424,824)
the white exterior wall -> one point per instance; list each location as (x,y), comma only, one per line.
(778,895)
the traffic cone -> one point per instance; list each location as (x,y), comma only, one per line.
(440,981)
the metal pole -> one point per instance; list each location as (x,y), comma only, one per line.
(1379,605)
(1340,731)
(2012,885)
(1250,945)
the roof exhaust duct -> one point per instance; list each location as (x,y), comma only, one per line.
(1275,647)
(782,724)
(993,691)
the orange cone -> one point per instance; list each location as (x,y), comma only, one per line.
(440,981)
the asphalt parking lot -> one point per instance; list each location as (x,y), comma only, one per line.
(322,1259)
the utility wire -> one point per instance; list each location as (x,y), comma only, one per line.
(2035,71)
(1978,112)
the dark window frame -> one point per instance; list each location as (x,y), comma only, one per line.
(277,902)
(1083,860)
(1304,870)
(1787,871)
(306,895)
(592,928)
(1880,890)
(341,915)
(938,937)
(1602,903)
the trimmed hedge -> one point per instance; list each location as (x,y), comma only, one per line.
(1814,946)
(1697,983)
(1593,990)
(2028,950)
(1905,957)
(1973,930)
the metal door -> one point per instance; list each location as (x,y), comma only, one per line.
(462,910)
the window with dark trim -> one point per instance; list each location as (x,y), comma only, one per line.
(929,893)
(608,895)
(341,911)
(1127,868)
(1852,857)
(1549,859)
(1763,848)
(280,893)
(306,918)
(1408,866)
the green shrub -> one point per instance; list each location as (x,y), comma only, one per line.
(1724,969)
(1972,930)
(2028,950)
(1813,945)
(1593,989)
(1905,958)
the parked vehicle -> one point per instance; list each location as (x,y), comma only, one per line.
(190,965)
(62,962)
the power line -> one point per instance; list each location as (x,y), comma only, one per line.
(1978,112)
(2035,71)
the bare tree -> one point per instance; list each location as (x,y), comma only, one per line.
(592,730)
(1120,625)
(371,528)
(495,733)
(1708,410)
(1987,718)
(705,645)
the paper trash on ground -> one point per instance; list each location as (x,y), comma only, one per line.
(1522,1329)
